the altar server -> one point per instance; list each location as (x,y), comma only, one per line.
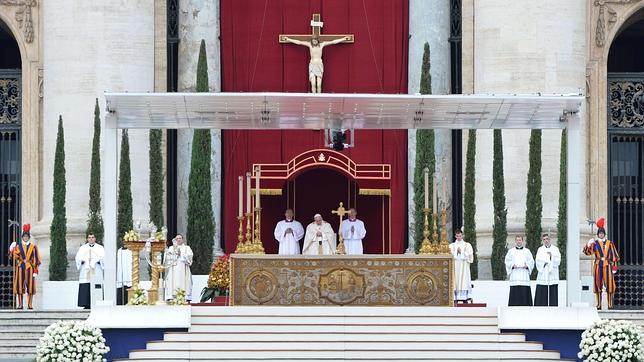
(89,262)
(319,238)
(123,274)
(463,255)
(353,231)
(177,262)
(519,264)
(547,259)
(288,233)
(604,266)
(26,261)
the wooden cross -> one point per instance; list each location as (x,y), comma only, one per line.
(316,33)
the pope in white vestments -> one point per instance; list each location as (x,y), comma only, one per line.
(463,255)
(353,231)
(89,262)
(519,264)
(177,262)
(288,233)
(548,259)
(319,238)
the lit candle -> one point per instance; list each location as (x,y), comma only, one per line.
(444,194)
(426,187)
(434,195)
(241,195)
(257,172)
(248,192)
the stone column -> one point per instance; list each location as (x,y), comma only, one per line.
(429,22)
(198,19)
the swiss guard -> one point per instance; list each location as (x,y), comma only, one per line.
(605,264)
(26,261)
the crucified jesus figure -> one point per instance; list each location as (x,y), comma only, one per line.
(316,67)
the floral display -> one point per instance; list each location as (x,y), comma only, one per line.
(71,341)
(218,279)
(180,298)
(611,340)
(140,298)
(131,236)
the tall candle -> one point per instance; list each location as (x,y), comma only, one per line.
(434,195)
(241,196)
(426,188)
(248,192)
(257,187)
(444,195)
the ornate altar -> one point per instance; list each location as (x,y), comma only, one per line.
(156,248)
(375,280)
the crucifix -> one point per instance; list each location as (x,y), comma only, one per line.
(340,211)
(315,42)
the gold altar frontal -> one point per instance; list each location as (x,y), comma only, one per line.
(366,280)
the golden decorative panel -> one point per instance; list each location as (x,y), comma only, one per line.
(376,280)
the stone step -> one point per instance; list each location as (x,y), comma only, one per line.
(425,358)
(31,314)
(369,354)
(32,322)
(342,328)
(349,337)
(361,320)
(8,337)
(325,311)
(340,345)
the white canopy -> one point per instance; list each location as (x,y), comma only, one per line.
(349,111)
(329,110)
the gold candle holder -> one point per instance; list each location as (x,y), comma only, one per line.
(258,247)
(248,244)
(444,244)
(435,240)
(241,247)
(426,246)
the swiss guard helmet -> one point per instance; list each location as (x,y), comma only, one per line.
(601,223)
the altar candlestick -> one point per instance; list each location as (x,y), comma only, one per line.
(444,195)
(257,187)
(248,192)
(426,172)
(241,195)
(434,195)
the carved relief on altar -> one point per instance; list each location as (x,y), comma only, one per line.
(341,280)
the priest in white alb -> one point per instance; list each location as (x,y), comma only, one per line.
(519,264)
(548,259)
(177,261)
(89,262)
(463,255)
(123,274)
(319,238)
(353,231)
(288,233)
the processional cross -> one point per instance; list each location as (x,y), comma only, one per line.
(315,42)
(340,211)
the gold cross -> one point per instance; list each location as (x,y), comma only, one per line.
(340,211)
(316,33)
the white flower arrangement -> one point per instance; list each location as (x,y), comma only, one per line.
(140,298)
(611,340)
(180,298)
(71,341)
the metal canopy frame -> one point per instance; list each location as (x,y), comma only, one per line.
(328,110)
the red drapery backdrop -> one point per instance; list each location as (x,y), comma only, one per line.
(253,60)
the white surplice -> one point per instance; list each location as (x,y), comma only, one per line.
(123,268)
(548,265)
(289,241)
(521,258)
(462,261)
(319,245)
(177,262)
(353,231)
(89,262)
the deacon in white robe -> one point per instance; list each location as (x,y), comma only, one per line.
(177,262)
(319,238)
(123,274)
(288,233)
(463,255)
(519,264)
(548,259)
(89,262)
(353,231)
